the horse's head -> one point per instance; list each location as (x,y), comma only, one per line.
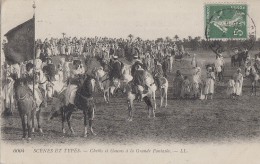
(89,85)
(99,73)
(248,70)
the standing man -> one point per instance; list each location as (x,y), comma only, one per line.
(219,64)
(238,78)
(194,62)
(210,83)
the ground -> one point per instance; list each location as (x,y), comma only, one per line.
(183,121)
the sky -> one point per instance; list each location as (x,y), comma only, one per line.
(148,19)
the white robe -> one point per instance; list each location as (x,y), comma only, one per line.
(210,82)
(238,83)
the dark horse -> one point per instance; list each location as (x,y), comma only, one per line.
(83,101)
(26,106)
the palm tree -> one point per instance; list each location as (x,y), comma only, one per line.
(130,36)
(138,38)
(190,38)
(63,34)
(176,37)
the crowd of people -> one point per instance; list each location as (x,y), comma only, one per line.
(145,55)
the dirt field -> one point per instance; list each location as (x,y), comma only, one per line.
(184,121)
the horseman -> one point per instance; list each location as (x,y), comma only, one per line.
(78,69)
(33,87)
(158,74)
(74,81)
(136,62)
(139,81)
(49,69)
(116,70)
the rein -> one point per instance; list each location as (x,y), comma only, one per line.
(104,80)
(104,76)
(42,82)
(22,98)
(86,98)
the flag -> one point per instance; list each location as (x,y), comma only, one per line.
(20,46)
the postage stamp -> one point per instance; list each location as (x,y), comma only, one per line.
(226,21)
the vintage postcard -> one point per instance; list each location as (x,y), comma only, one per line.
(130,81)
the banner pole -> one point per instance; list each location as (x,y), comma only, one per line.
(34,6)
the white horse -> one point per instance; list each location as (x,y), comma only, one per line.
(149,81)
(152,88)
(130,100)
(103,81)
(148,96)
(55,87)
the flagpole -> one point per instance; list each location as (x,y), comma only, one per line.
(34,6)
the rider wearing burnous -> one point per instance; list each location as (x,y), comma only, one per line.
(77,72)
(115,72)
(33,87)
(136,62)
(138,81)
(158,73)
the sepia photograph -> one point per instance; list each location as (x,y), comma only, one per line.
(130,81)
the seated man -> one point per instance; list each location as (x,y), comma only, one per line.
(116,71)
(158,74)
(136,62)
(139,81)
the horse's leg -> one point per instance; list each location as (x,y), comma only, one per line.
(130,110)
(29,125)
(148,102)
(63,118)
(32,117)
(166,96)
(23,126)
(91,117)
(105,97)
(85,123)
(252,88)
(12,104)
(154,99)
(108,95)
(38,120)
(68,121)
(162,96)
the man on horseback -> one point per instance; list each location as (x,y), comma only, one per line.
(158,74)
(33,87)
(116,71)
(139,81)
(136,62)
(49,69)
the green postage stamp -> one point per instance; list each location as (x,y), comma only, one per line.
(226,21)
